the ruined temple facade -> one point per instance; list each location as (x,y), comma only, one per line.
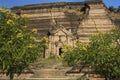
(58,37)
(65,22)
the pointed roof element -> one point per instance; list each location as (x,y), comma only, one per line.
(60,28)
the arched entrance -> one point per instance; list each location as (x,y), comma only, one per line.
(60,51)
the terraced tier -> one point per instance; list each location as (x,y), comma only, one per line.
(41,16)
(97,20)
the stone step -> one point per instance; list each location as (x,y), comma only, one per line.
(67,78)
(97,21)
(84,38)
(91,26)
(38,75)
(46,14)
(97,14)
(57,74)
(71,17)
(50,17)
(90,32)
(68,19)
(45,17)
(86,34)
(94,30)
(90,18)
(39,26)
(49,22)
(42,11)
(67,22)
(96,6)
(49,73)
(61,14)
(84,41)
(91,77)
(98,17)
(96,26)
(98,11)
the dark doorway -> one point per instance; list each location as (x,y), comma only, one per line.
(60,51)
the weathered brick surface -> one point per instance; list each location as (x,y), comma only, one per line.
(67,15)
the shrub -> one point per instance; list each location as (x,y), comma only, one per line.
(72,56)
(18,47)
(102,54)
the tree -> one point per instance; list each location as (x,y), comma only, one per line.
(44,44)
(73,56)
(112,9)
(105,53)
(118,9)
(102,54)
(18,47)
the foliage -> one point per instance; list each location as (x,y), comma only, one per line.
(105,54)
(102,54)
(114,10)
(73,55)
(18,47)
(118,9)
(44,42)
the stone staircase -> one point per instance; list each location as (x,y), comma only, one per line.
(47,70)
(57,71)
(97,20)
(65,74)
(44,70)
(54,71)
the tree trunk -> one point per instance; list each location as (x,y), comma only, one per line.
(44,52)
(11,76)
